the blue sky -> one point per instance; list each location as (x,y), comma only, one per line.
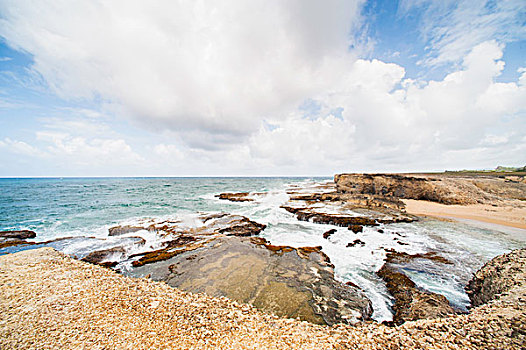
(260,88)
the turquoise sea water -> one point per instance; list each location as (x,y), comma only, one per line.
(87,207)
(55,207)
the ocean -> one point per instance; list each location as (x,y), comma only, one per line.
(87,207)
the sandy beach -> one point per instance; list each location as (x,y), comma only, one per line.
(511,215)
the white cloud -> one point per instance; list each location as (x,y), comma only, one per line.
(95,152)
(388,123)
(217,88)
(21,148)
(206,65)
(451,28)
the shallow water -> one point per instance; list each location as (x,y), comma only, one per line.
(89,206)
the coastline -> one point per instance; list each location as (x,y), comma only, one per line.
(502,215)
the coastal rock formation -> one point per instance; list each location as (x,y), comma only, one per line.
(329,233)
(411,302)
(236,197)
(445,188)
(125,229)
(287,281)
(497,277)
(101,257)
(23,234)
(14,238)
(397,186)
(353,218)
(221,254)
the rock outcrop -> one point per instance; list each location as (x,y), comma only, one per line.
(236,197)
(411,302)
(287,281)
(23,234)
(445,188)
(14,238)
(497,276)
(397,186)
(353,220)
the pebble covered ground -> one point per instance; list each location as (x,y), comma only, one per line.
(51,301)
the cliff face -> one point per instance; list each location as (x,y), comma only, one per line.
(388,185)
(497,277)
(441,188)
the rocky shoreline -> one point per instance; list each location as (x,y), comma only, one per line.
(48,300)
(222,255)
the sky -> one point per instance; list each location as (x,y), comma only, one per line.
(261,87)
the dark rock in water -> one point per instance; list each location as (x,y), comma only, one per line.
(411,303)
(327,234)
(283,280)
(206,218)
(304,214)
(22,234)
(395,257)
(97,257)
(179,241)
(356,228)
(14,242)
(353,222)
(355,242)
(497,277)
(121,230)
(243,227)
(163,254)
(235,197)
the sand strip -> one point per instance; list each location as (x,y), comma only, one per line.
(505,215)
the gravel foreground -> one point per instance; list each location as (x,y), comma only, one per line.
(51,301)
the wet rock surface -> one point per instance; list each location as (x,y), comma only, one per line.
(496,277)
(236,197)
(287,281)
(23,234)
(221,254)
(411,302)
(345,215)
(122,230)
(101,257)
(14,238)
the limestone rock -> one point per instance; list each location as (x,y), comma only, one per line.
(496,277)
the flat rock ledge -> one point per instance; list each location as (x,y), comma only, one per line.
(51,301)
(286,281)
